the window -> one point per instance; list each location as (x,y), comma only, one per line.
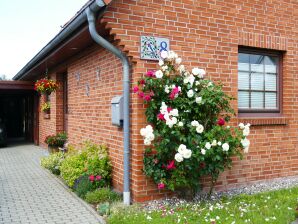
(258,81)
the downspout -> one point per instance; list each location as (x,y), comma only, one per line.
(126,88)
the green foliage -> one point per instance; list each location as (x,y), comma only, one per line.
(83,185)
(73,167)
(103,208)
(276,207)
(53,162)
(102,195)
(188,114)
(91,160)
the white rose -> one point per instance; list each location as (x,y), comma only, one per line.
(150,136)
(169,122)
(143,131)
(149,128)
(174,120)
(182,148)
(164,68)
(167,89)
(190,93)
(147,142)
(185,81)
(199,100)
(187,154)
(164,54)
(178,157)
(178,61)
(174,113)
(160,63)
(199,128)
(225,147)
(194,123)
(245,143)
(159,74)
(214,143)
(241,126)
(195,71)
(181,68)
(191,79)
(197,83)
(203,151)
(219,143)
(246,131)
(202,73)
(180,124)
(208,145)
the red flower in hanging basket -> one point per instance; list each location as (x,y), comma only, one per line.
(45,86)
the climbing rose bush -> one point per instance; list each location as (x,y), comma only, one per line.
(187,136)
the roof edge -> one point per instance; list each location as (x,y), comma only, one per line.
(74,24)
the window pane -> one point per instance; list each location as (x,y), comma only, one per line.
(257,99)
(270,64)
(243,80)
(270,82)
(257,81)
(243,99)
(243,62)
(270,100)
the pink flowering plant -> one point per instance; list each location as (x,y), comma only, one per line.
(187,136)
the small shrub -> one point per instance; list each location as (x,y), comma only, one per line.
(83,185)
(92,160)
(73,167)
(102,195)
(53,162)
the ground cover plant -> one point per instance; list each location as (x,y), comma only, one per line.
(274,207)
(187,136)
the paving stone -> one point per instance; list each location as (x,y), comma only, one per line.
(29,194)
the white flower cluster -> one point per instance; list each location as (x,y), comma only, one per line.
(169,115)
(245,131)
(183,153)
(198,126)
(198,72)
(208,145)
(169,88)
(148,135)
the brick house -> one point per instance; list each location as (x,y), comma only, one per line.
(250,46)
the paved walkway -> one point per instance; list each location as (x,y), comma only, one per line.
(29,194)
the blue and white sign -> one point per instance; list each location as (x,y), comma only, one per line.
(151,47)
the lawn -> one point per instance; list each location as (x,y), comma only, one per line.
(268,207)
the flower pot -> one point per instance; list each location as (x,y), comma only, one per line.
(53,149)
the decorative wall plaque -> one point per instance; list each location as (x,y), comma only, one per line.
(152,46)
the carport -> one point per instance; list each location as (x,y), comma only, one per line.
(18,111)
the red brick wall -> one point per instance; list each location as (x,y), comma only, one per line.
(89,117)
(207,34)
(53,123)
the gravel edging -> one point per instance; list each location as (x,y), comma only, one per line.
(249,189)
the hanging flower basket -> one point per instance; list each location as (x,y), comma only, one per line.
(46,107)
(46,86)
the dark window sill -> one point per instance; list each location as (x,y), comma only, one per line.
(263,121)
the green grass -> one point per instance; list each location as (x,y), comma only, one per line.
(269,207)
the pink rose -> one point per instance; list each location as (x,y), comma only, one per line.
(150,73)
(91,178)
(98,178)
(221,122)
(161,186)
(141,94)
(147,98)
(171,165)
(135,89)
(161,117)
